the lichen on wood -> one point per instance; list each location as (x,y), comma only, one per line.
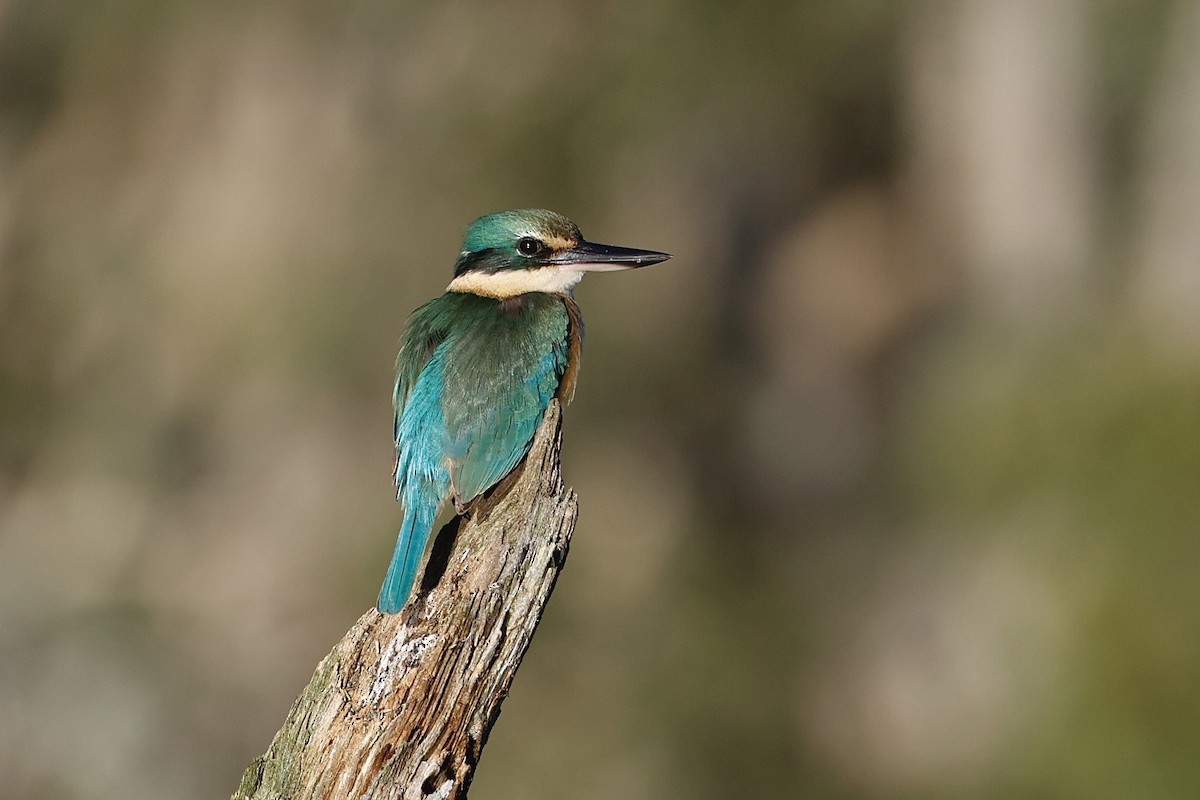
(402,706)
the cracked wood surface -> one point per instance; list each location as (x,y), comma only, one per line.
(402,706)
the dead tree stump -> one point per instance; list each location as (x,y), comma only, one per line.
(402,706)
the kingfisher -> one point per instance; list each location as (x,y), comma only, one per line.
(479,365)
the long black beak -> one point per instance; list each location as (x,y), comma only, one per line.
(591,257)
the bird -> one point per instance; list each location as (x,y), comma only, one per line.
(479,365)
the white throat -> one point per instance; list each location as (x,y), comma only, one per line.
(513,282)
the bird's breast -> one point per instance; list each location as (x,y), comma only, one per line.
(566,386)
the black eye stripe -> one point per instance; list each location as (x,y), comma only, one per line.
(479,260)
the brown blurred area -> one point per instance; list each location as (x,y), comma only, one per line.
(890,480)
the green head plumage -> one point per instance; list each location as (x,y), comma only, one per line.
(503,230)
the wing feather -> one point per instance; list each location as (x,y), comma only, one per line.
(498,386)
(427,329)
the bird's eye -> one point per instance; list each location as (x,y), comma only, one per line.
(529,246)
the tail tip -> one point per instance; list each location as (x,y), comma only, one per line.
(387,607)
(390,602)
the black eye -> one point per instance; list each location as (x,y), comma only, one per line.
(529,246)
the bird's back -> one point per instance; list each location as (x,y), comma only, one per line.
(498,363)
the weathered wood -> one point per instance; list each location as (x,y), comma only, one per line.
(402,706)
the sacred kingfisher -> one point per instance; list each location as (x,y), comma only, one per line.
(479,365)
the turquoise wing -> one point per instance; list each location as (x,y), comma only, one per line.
(498,383)
(427,328)
(422,481)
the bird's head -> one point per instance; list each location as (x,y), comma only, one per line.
(531,250)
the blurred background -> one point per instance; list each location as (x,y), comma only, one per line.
(890,480)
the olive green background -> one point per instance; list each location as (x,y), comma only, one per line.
(890,479)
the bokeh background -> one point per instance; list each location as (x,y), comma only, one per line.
(890,480)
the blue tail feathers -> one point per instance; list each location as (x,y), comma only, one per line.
(410,546)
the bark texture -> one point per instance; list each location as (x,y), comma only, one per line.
(402,706)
